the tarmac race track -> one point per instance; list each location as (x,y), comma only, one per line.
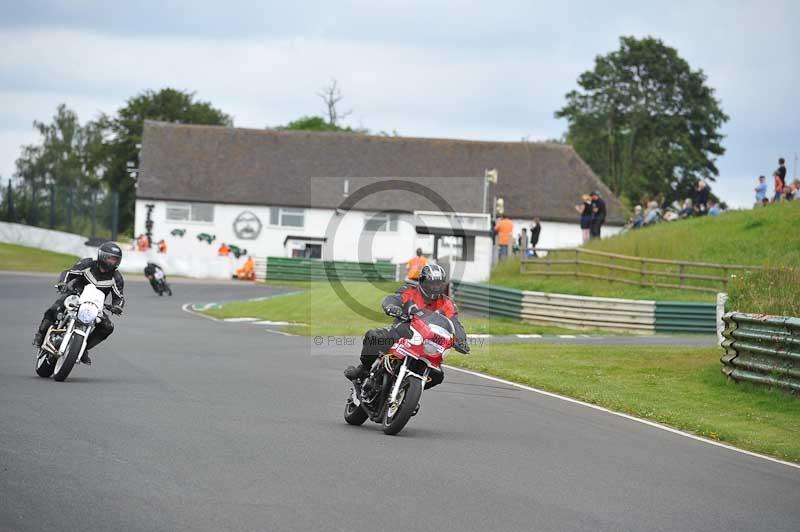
(184,423)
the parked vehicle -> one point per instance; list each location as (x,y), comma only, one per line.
(392,391)
(65,341)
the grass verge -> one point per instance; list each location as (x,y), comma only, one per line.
(678,386)
(759,237)
(325,313)
(21,258)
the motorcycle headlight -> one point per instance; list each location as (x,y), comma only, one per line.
(432,348)
(87,313)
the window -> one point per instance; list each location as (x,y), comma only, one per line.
(286,217)
(381,222)
(190,212)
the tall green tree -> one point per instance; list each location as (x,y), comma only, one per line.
(125,129)
(645,121)
(64,159)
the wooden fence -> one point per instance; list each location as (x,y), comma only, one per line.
(639,271)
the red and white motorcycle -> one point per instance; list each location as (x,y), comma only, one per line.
(391,393)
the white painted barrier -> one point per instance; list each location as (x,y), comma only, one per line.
(213,267)
(583,311)
(36,237)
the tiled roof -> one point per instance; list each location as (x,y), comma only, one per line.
(308,169)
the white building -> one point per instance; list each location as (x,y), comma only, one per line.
(348,197)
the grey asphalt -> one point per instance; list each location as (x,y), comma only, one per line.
(184,423)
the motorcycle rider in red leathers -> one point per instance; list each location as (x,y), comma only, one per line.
(429,294)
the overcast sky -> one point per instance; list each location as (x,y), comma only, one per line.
(473,70)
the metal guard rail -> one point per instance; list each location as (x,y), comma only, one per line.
(762,349)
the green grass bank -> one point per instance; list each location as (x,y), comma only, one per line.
(21,258)
(678,386)
(765,236)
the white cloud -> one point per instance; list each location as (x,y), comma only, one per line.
(493,71)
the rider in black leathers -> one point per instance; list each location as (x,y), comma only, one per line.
(101,272)
(150,273)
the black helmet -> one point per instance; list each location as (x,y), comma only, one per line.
(433,281)
(109,255)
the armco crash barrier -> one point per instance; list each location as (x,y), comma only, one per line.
(587,312)
(292,269)
(762,349)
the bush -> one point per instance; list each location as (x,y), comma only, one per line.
(771,291)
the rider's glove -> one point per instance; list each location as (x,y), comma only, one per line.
(394,311)
(410,308)
(462,347)
(61,287)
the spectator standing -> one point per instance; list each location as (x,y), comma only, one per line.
(585,210)
(778,183)
(761,190)
(224,250)
(162,246)
(781,171)
(598,215)
(536,231)
(504,228)
(701,197)
(415,264)
(523,243)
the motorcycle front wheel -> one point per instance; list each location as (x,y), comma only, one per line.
(397,414)
(66,362)
(354,415)
(44,366)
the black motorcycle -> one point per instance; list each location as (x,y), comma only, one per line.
(159,283)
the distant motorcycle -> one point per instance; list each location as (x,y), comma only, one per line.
(390,395)
(160,284)
(65,341)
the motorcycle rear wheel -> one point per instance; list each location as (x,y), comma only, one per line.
(70,357)
(395,417)
(354,415)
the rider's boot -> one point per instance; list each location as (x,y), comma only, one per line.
(85,358)
(355,372)
(39,336)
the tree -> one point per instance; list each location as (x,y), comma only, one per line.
(332,95)
(61,162)
(645,121)
(168,105)
(314,123)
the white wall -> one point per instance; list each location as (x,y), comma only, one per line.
(37,237)
(559,234)
(72,244)
(347,240)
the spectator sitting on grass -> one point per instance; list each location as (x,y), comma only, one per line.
(653,213)
(638,217)
(687,209)
(714,209)
(789,192)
